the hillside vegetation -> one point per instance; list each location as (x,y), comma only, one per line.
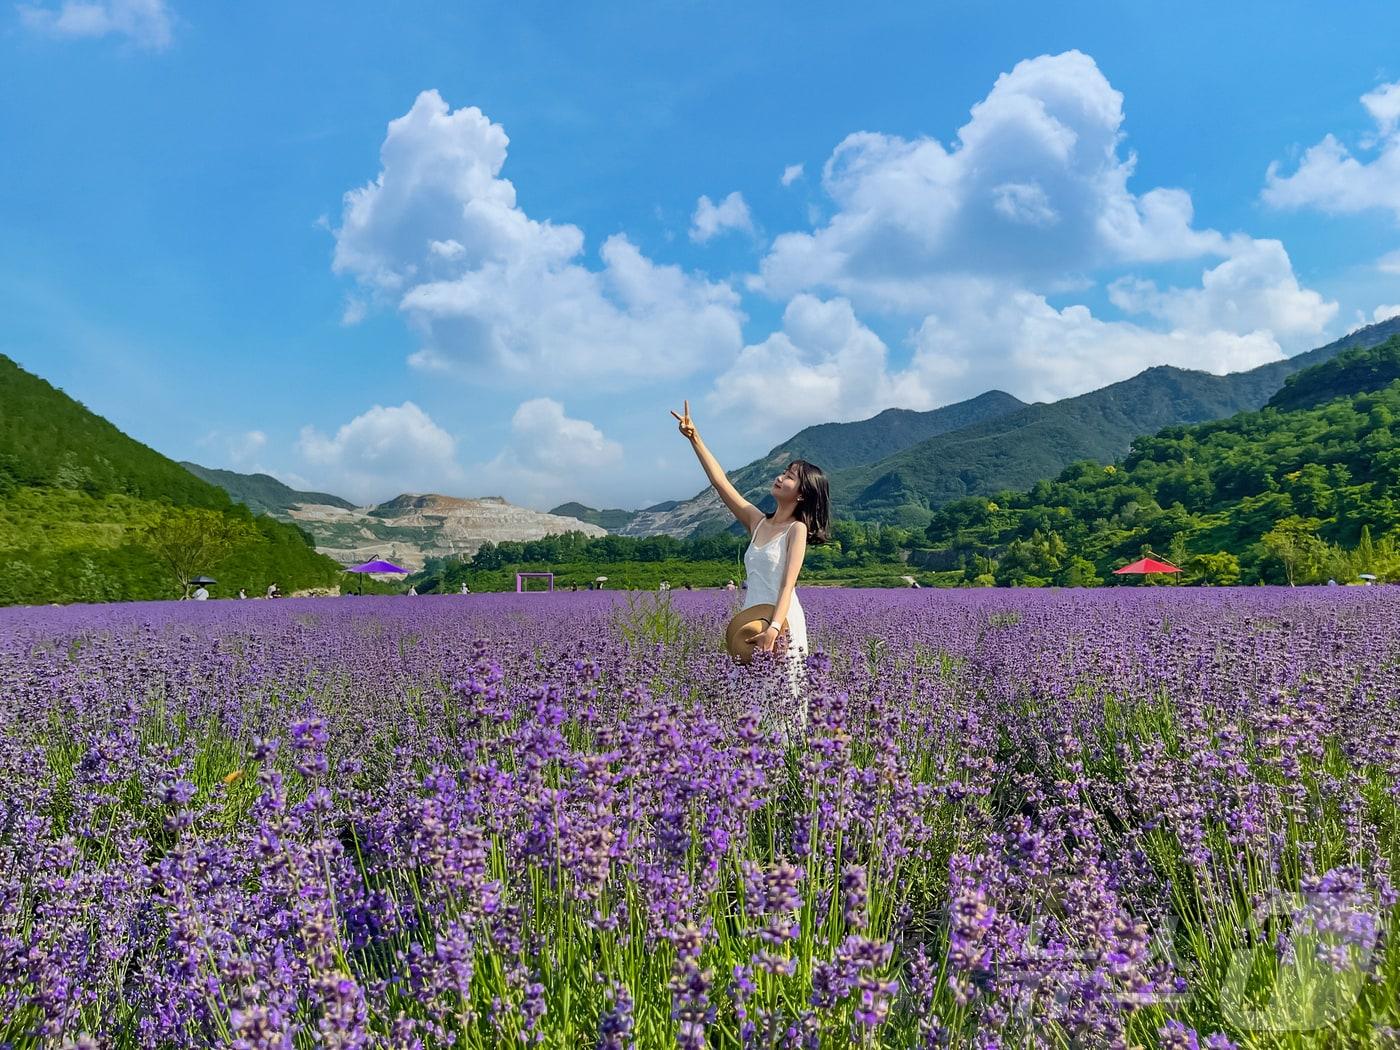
(262,493)
(857,555)
(77,496)
(899,466)
(1039,441)
(1300,493)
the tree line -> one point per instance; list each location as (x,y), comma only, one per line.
(1302,491)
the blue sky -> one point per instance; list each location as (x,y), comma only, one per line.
(524,278)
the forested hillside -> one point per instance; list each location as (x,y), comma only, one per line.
(1298,495)
(898,466)
(88,514)
(1040,440)
(614,520)
(262,493)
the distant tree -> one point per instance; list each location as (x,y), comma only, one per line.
(1177,552)
(849,534)
(892,539)
(1366,550)
(1081,572)
(1031,562)
(189,541)
(1295,544)
(1221,569)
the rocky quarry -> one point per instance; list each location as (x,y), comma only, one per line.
(409,529)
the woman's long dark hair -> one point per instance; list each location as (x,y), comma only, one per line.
(813,500)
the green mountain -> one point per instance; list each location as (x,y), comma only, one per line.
(1016,450)
(1299,491)
(831,446)
(837,445)
(77,495)
(1352,373)
(262,493)
(612,520)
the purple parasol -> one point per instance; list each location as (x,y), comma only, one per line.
(377,566)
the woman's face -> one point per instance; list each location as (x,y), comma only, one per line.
(785,485)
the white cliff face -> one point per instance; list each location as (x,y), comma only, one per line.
(681,520)
(409,529)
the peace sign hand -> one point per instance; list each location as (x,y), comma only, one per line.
(687,428)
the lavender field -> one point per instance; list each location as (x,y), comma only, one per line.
(1139,817)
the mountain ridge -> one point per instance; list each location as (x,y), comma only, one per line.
(77,496)
(1299,491)
(261,493)
(1015,444)
(1042,439)
(407,529)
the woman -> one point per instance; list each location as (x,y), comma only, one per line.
(777,542)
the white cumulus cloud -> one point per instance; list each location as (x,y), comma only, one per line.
(1254,290)
(1032,188)
(1015,340)
(550,457)
(982,333)
(968,243)
(147,23)
(1333,179)
(711,219)
(791,174)
(489,290)
(543,438)
(238,450)
(824,365)
(381,453)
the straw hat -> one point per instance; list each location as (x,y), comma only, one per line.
(744,629)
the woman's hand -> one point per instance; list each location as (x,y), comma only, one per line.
(767,640)
(741,508)
(687,428)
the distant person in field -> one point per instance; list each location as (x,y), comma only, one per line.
(777,541)
(272,591)
(201,593)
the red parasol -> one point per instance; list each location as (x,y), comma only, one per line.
(1146,565)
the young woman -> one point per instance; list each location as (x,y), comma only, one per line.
(777,542)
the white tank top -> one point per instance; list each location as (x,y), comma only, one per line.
(764,566)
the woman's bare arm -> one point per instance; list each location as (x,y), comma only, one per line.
(741,508)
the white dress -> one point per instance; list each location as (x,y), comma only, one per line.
(764,566)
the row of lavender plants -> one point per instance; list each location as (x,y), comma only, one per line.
(1132,818)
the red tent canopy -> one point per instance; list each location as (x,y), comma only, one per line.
(1145,565)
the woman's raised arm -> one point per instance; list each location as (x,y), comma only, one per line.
(741,508)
